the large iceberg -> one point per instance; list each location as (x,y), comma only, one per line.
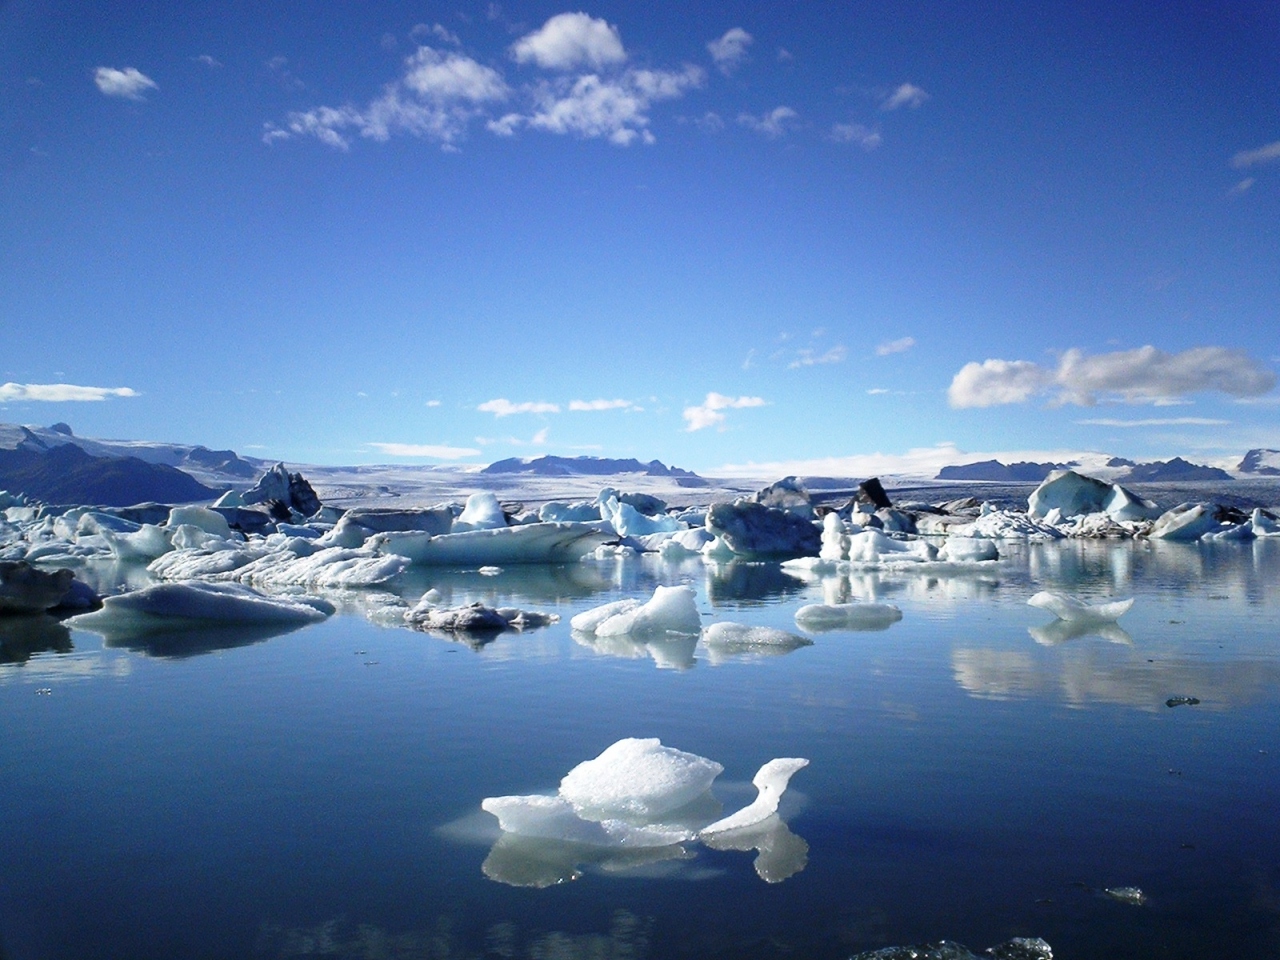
(1073,494)
(754,530)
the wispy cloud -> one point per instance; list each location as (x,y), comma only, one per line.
(211,62)
(590,405)
(877,391)
(730,50)
(864,137)
(808,358)
(1250,158)
(436,97)
(505,408)
(571,40)
(1144,375)
(434,451)
(129,83)
(906,95)
(1155,422)
(895,346)
(59,392)
(772,124)
(709,414)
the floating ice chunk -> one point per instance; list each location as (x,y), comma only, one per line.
(331,567)
(231,498)
(194,600)
(187,536)
(771,780)
(202,564)
(1019,948)
(207,520)
(1264,523)
(482,512)
(1130,895)
(637,779)
(146,543)
(1008,525)
(348,532)
(820,617)
(589,620)
(752,529)
(872,546)
(630,522)
(968,549)
(26,589)
(743,636)
(717,550)
(669,610)
(1187,521)
(1069,608)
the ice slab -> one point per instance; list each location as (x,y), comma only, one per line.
(741,636)
(669,610)
(525,543)
(1072,609)
(821,617)
(475,618)
(209,602)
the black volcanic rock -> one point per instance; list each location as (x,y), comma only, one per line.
(66,474)
(553,466)
(1261,463)
(1169,471)
(995,470)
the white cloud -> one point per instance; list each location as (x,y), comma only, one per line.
(1144,375)
(59,392)
(614,108)
(505,408)
(540,437)
(907,95)
(435,451)
(709,415)
(436,98)
(570,40)
(1156,422)
(433,403)
(809,358)
(864,137)
(588,405)
(730,50)
(129,83)
(895,346)
(772,124)
(877,391)
(210,62)
(1242,186)
(1248,158)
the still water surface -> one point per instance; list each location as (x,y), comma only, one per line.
(975,774)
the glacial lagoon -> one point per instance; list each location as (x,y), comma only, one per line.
(977,771)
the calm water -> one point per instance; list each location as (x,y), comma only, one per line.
(973,777)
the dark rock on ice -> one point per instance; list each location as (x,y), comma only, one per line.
(752,529)
(291,490)
(27,589)
(872,491)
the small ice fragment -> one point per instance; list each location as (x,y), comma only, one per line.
(490,571)
(847,616)
(637,779)
(1182,701)
(1065,607)
(1130,895)
(771,780)
(728,634)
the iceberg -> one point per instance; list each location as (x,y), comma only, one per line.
(1074,610)
(754,530)
(771,780)
(728,636)
(25,589)
(482,512)
(475,618)
(637,779)
(525,543)
(210,521)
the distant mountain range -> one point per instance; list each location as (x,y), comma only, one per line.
(552,466)
(66,474)
(1176,470)
(1261,462)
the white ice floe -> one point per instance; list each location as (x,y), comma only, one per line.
(968,550)
(732,636)
(671,610)
(554,818)
(525,543)
(1070,608)
(144,544)
(771,780)
(627,521)
(212,602)
(820,617)
(207,520)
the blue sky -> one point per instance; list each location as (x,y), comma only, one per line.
(715,234)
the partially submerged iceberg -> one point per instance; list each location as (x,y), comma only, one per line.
(26,589)
(526,543)
(754,530)
(671,610)
(823,617)
(475,618)
(1073,494)
(1074,610)
(638,795)
(205,602)
(728,636)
